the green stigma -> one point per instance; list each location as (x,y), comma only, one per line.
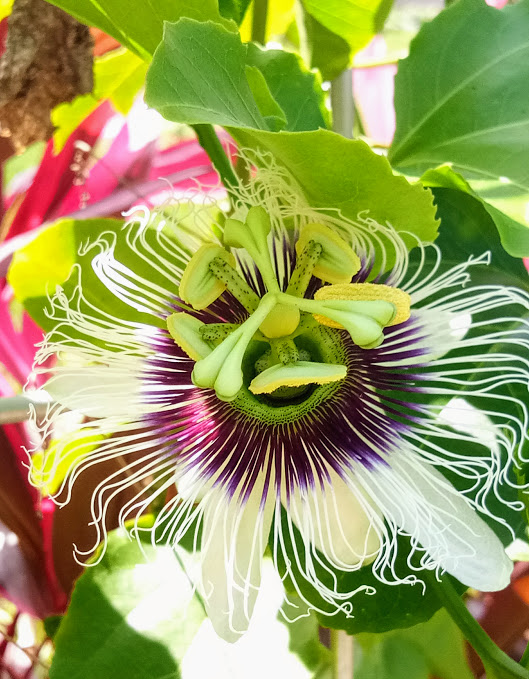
(280,333)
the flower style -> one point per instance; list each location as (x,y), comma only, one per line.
(280,377)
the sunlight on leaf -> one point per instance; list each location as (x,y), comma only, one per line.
(118,76)
(132,615)
(138,24)
(337,29)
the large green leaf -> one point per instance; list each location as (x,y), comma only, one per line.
(461,98)
(468,230)
(138,24)
(198,76)
(335,172)
(131,616)
(297,91)
(203,73)
(435,648)
(514,236)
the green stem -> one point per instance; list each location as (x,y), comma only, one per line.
(494,659)
(342,653)
(207,138)
(342,104)
(259,17)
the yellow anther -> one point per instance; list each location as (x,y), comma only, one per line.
(337,262)
(283,320)
(365,292)
(199,287)
(296,375)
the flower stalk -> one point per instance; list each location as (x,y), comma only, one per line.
(342,648)
(497,664)
(207,138)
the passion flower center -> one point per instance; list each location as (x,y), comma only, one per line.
(278,319)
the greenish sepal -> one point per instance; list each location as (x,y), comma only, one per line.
(186,332)
(295,375)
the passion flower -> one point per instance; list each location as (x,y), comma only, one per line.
(285,371)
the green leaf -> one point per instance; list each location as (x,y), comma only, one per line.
(389,657)
(325,50)
(297,91)
(138,24)
(267,105)
(465,102)
(514,236)
(50,467)
(198,76)
(202,73)
(334,30)
(356,21)
(234,9)
(435,648)
(133,615)
(48,261)
(52,624)
(118,76)
(334,172)
(468,230)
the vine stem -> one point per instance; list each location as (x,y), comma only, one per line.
(342,104)
(259,18)
(500,665)
(342,653)
(207,138)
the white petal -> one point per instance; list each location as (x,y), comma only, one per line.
(234,538)
(99,391)
(337,520)
(420,500)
